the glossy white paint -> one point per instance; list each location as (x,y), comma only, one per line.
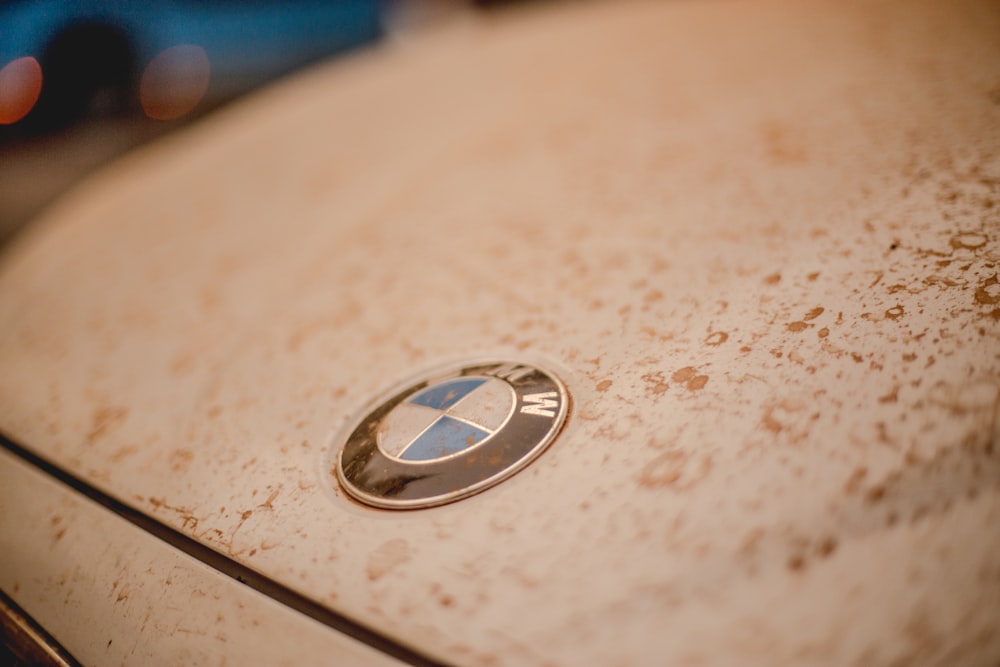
(761,240)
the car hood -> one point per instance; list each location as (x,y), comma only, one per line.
(758,242)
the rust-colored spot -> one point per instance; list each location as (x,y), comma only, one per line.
(895,312)
(811,277)
(105,420)
(814,313)
(796,563)
(770,423)
(690,377)
(269,503)
(776,414)
(853,482)
(969,240)
(875,494)
(656,384)
(772,279)
(891,397)
(180,459)
(675,469)
(798,326)
(716,338)
(653,295)
(697,382)
(603,385)
(684,374)
(823,333)
(988,292)
(827,547)
(123,452)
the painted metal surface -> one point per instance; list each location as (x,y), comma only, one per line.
(115,595)
(762,238)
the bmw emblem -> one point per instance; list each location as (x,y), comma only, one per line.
(451,433)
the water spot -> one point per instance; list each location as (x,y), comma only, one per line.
(697,382)
(684,374)
(716,338)
(675,469)
(988,292)
(690,378)
(891,397)
(656,383)
(779,416)
(970,241)
(895,312)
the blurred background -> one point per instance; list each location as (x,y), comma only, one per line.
(82,82)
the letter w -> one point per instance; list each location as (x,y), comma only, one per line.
(540,404)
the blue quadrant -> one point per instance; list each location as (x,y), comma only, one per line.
(445,436)
(446,394)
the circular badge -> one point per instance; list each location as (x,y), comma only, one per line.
(451,434)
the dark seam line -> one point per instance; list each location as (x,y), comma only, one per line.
(18,626)
(241,573)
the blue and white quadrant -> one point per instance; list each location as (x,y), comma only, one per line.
(446,418)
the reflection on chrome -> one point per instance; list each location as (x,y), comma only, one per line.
(20,86)
(174,82)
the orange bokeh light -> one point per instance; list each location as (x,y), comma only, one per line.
(174,82)
(20,86)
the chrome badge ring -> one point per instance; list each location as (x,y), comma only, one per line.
(451,433)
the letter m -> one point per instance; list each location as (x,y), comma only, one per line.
(540,404)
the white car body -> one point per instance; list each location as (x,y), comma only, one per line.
(758,241)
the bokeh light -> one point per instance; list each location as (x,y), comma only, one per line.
(20,86)
(174,82)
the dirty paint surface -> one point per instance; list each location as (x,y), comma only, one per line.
(763,239)
(118,596)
